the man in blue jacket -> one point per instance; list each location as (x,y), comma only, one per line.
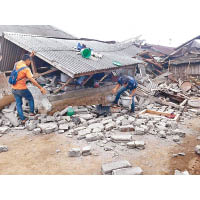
(126,83)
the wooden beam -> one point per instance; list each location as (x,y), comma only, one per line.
(62,87)
(84,82)
(103,77)
(44,73)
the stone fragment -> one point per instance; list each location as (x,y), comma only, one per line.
(107,148)
(179,132)
(48,127)
(197,149)
(128,171)
(121,138)
(61,131)
(131,145)
(126,128)
(36,131)
(3,148)
(162,134)
(82,133)
(4,129)
(74,152)
(109,167)
(140,144)
(86,151)
(109,126)
(176,138)
(64,127)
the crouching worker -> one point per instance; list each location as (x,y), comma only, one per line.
(126,83)
(18,79)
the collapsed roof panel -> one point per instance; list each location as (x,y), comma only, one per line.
(61,54)
(44,30)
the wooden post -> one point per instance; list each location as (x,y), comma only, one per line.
(68,81)
(33,66)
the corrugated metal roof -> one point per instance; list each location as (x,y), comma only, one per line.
(61,54)
(44,30)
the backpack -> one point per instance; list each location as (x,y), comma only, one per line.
(13,76)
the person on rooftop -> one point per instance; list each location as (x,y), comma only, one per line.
(20,89)
(125,83)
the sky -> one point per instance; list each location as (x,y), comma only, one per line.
(170,22)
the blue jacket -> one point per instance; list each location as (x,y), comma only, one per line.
(132,83)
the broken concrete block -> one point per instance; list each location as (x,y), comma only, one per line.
(92,137)
(139,131)
(120,118)
(36,131)
(121,138)
(131,145)
(177,172)
(41,101)
(109,167)
(30,125)
(126,128)
(4,129)
(197,149)
(51,119)
(106,121)
(66,118)
(48,127)
(140,144)
(176,138)
(12,106)
(74,152)
(76,130)
(110,126)
(128,171)
(64,127)
(108,148)
(64,111)
(179,132)
(162,134)
(86,116)
(10,115)
(125,122)
(86,151)
(3,148)
(96,126)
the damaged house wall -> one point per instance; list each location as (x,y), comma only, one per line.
(185,60)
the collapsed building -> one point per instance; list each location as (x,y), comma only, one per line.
(69,77)
(184,61)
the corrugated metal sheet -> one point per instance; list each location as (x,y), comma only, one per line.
(60,53)
(44,30)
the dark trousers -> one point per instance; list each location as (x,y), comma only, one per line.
(122,90)
(19,94)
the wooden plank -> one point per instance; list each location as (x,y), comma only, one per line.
(68,81)
(103,78)
(84,82)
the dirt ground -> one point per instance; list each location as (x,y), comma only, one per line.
(36,154)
